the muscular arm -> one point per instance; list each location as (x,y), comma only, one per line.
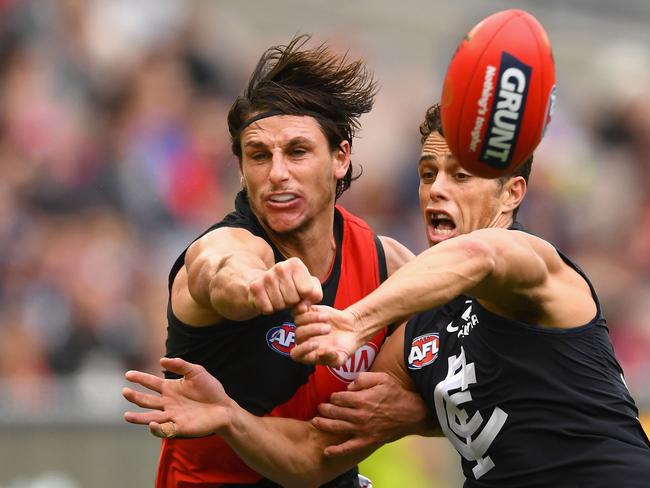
(231,274)
(215,280)
(290,452)
(513,274)
(458,266)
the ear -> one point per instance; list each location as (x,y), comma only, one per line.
(242,181)
(513,193)
(342,159)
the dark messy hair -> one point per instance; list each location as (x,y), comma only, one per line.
(433,123)
(296,81)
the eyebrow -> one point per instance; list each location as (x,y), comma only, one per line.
(292,142)
(427,157)
(296,141)
(434,157)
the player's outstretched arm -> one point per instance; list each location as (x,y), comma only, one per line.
(289,452)
(497,265)
(230,273)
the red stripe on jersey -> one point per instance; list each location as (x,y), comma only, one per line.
(211,460)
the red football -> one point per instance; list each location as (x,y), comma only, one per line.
(499,93)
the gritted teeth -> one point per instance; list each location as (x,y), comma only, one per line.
(281,198)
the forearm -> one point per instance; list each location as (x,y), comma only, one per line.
(222,283)
(229,286)
(431,279)
(287,451)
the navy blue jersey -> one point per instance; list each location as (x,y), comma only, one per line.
(527,406)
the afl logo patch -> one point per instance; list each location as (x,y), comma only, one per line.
(282,338)
(424,351)
(357,363)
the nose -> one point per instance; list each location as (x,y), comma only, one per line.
(439,189)
(279,171)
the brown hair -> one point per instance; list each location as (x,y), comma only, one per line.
(433,123)
(296,81)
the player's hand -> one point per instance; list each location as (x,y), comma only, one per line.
(193,406)
(374,410)
(283,286)
(324,335)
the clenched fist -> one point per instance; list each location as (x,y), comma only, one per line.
(284,285)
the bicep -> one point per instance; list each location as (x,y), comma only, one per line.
(521,264)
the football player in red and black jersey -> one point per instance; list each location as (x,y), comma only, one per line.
(285,242)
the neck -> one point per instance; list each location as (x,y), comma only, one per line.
(503,220)
(314,245)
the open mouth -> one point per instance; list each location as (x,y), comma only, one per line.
(282,197)
(441,223)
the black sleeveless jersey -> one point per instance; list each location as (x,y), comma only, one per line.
(251,358)
(526,406)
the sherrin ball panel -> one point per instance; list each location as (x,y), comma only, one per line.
(498,93)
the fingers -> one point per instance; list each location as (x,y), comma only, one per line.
(144,418)
(180,367)
(284,285)
(308,353)
(348,414)
(143,400)
(305,352)
(258,297)
(147,380)
(311,315)
(347,399)
(368,379)
(347,447)
(301,308)
(164,430)
(302,283)
(315,294)
(306,332)
(334,426)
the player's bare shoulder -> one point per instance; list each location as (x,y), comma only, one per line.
(529,270)
(397,254)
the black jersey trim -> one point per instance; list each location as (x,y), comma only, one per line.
(597,321)
(381,259)
(331,283)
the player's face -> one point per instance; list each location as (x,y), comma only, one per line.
(290,173)
(452,200)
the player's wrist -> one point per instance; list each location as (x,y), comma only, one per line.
(228,418)
(364,327)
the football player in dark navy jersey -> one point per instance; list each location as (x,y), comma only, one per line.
(508,347)
(285,242)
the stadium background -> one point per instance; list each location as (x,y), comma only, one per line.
(114,153)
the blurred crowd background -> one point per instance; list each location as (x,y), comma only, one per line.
(114,154)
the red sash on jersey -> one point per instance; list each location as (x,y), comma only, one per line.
(209,461)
